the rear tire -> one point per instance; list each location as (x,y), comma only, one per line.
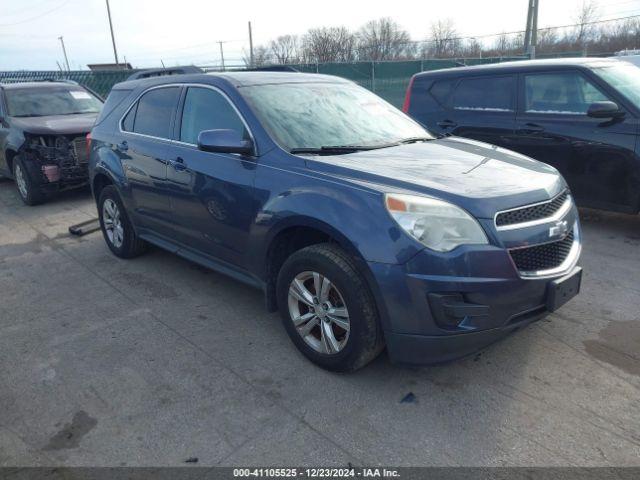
(328,309)
(28,189)
(117,229)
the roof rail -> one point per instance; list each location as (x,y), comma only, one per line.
(274,68)
(160,72)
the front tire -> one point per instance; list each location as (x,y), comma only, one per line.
(28,189)
(328,309)
(117,229)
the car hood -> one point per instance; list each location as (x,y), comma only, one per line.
(479,177)
(56,124)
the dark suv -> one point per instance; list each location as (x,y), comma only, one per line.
(578,115)
(359,226)
(43,126)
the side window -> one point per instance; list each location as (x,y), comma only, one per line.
(152,114)
(567,93)
(492,94)
(127,123)
(207,109)
(115,98)
(441,90)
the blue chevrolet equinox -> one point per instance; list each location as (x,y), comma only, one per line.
(360,227)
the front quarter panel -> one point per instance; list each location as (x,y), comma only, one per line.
(291,195)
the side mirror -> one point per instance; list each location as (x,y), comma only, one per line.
(604,110)
(224,141)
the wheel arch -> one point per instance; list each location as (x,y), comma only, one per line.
(99,181)
(299,232)
(10,155)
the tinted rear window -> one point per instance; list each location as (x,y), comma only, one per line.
(441,90)
(154,112)
(114,99)
(430,96)
(492,94)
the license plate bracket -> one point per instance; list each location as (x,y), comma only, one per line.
(561,290)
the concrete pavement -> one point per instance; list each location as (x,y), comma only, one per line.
(155,360)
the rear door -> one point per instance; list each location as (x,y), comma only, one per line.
(483,108)
(145,151)
(595,156)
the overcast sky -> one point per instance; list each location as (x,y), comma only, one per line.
(186,31)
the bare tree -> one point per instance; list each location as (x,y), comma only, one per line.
(444,41)
(261,57)
(285,49)
(329,44)
(384,39)
(585,29)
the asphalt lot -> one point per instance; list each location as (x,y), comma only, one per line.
(155,360)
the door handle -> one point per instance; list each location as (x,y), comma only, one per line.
(530,128)
(447,124)
(124,146)
(178,164)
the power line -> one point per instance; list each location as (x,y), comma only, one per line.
(489,35)
(24,9)
(36,17)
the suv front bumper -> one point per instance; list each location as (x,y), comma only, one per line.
(473,297)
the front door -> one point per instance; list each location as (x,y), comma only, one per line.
(596,156)
(211,194)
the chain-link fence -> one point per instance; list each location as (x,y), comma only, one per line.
(98,81)
(390,79)
(387,79)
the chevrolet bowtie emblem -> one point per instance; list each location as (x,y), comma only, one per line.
(560,229)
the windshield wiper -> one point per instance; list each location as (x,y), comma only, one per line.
(329,149)
(356,148)
(414,140)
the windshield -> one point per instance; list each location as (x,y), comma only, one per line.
(40,102)
(316,115)
(623,77)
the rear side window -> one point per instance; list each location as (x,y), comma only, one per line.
(490,94)
(428,97)
(562,93)
(207,109)
(152,113)
(441,91)
(115,98)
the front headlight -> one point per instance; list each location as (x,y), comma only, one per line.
(438,225)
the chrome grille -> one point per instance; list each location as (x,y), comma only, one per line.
(542,257)
(531,212)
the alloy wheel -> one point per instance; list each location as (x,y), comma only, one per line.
(112,223)
(318,312)
(21,182)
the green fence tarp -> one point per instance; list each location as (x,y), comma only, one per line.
(387,79)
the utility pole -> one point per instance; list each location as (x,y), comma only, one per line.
(531,33)
(64,50)
(113,39)
(250,46)
(534,30)
(527,32)
(222,55)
